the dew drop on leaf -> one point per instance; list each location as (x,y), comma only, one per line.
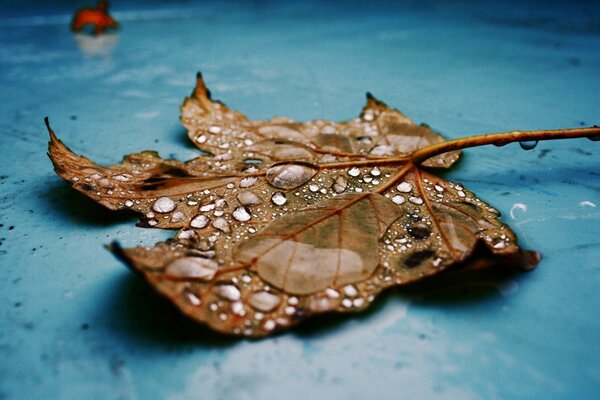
(192,267)
(290,176)
(278,198)
(163,205)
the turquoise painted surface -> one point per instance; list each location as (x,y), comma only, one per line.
(74,323)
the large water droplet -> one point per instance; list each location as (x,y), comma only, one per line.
(263,301)
(193,267)
(528,145)
(290,176)
(163,205)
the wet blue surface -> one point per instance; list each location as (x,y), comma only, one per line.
(74,323)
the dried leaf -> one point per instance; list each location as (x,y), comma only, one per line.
(283,220)
(95,17)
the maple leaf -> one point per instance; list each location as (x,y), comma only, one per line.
(280,220)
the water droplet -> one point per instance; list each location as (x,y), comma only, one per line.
(152,222)
(247,198)
(214,129)
(404,187)
(367,179)
(398,199)
(293,301)
(339,184)
(193,267)
(199,221)
(221,224)
(237,307)
(128,203)
(439,188)
(313,188)
(358,302)
(241,214)
(375,171)
(279,198)
(320,304)
(290,176)
(354,172)
(368,117)
(177,216)
(163,205)
(218,213)
(269,325)
(460,193)
(415,200)
(419,232)
(347,303)
(528,145)
(334,294)
(228,292)
(207,207)
(247,182)
(191,298)
(350,290)
(201,139)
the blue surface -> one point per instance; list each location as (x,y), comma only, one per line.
(74,323)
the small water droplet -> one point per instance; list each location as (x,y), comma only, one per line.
(177,216)
(350,291)
(247,198)
(313,188)
(191,298)
(347,303)
(214,129)
(334,294)
(269,325)
(404,187)
(128,203)
(228,292)
(340,184)
(241,214)
(358,302)
(419,232)
(221,224)
(163,205)
(201,139)
(290,176)
(207,207)
(528,145)
(279,198)
(354,172)
(398,199)
(199,221)
(247,182)
(415,200)
(439,188)
(375,171)
(460,193)
(237,307)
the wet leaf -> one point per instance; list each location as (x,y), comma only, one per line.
(280,220)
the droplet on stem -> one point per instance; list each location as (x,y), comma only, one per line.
(528,144)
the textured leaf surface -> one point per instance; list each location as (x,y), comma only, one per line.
(284,220)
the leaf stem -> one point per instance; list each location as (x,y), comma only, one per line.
(501,139)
